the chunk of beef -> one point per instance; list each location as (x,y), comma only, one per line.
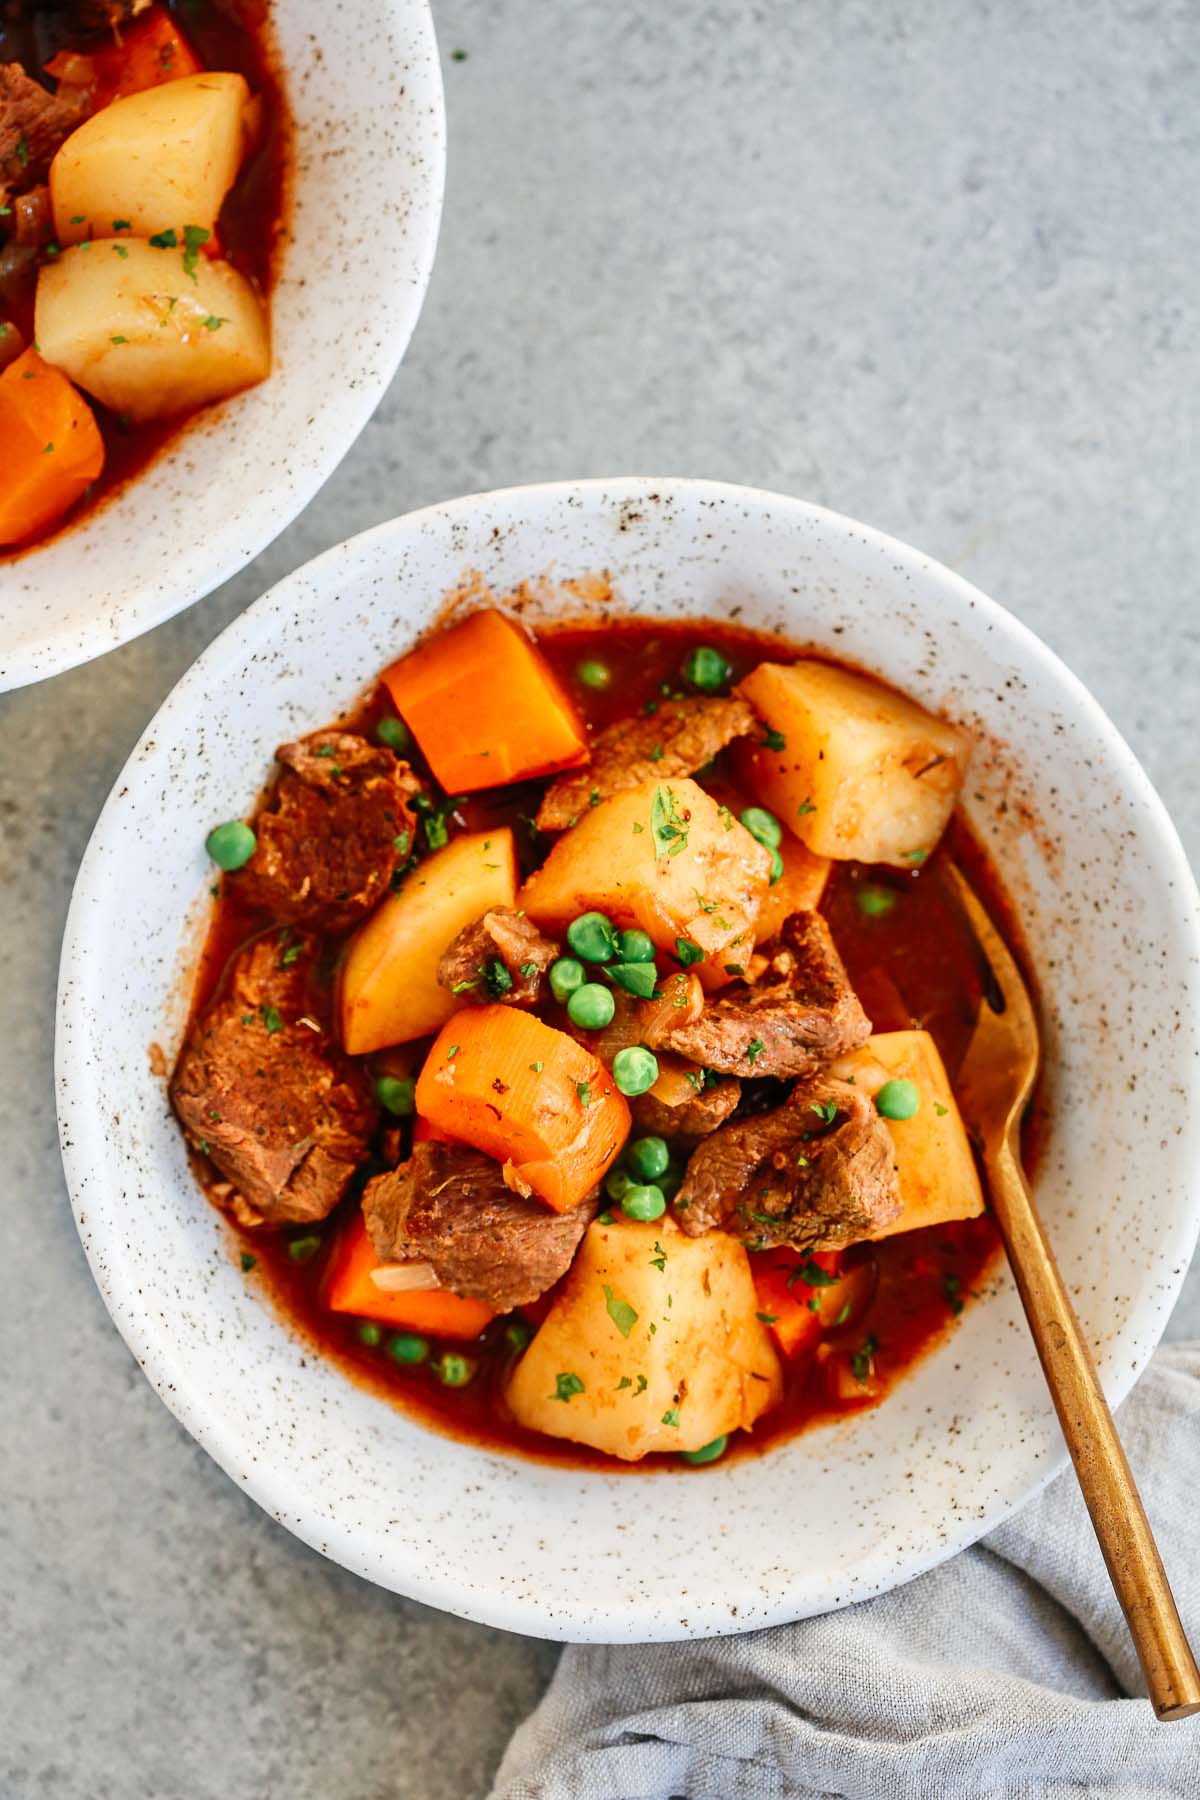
(676,740)
(817,1173)
(264,1092)
(803,1011)
(332,833)
(33,123)
(692,1118)
(448,1205)
(502,956)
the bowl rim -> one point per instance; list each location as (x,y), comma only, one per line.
(246,534)
(1120,1361)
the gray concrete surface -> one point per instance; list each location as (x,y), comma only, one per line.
(936,265)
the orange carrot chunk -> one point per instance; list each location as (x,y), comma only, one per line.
(50,447)
(528,1095)
(485,706)
(784,1295)
(433,1310)
(151,51)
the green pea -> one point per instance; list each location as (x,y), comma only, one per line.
(395,734)
(706,668)
(648,1158)
(303,1249)
(369,1334)
(635,1069)
(593,937)
(565,976)
(453,1370)
(897,1099)
(776,867)
(639,978)
(593,673)
(634,946)
(876,902)
(518,1335)
(231,845)
(617,1184)
(707,1452)
(407,1347)
(643,1201)
(763,825)
(591,1006)
(396,1094)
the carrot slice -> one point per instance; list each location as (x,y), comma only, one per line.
(433,1310)
(485,706)
(151,51)
(528,1095)
(50,447)
(784,1295)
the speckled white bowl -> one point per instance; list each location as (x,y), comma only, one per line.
(835,1515)
(365,89)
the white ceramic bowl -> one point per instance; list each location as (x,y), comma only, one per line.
(365,89)
(834,1515)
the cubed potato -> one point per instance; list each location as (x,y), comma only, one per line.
(126,322)
(862,773)
(388,989)
(652,1344)
(938,1178)
(666,857)
(157,160)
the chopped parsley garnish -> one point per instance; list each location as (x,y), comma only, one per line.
(566,1386)
(806,807)
(671,1417)
(452,1052)
(212,322)
(118,339)
(23,151)
(668,825)
(193,237)
(915,856)
(623,1383)
(843,1315)
(774,740)
(656,755)
(940,1110)
(860,1362)
(606,1218)
(537,1067)
(292,954)
(248,1262)
(122,225)
(812,1275)
(619,1311)
(659,1259)
(754,1050)
(121,251)
(272,1018)
(826,1112)
(584,1092)
(687,952)
(165,240)
(497,978)
(768,1318)
(950,1287)
(528,971)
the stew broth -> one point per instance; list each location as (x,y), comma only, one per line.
(912,962)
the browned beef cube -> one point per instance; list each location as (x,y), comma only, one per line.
(264,1092)
(335,828)
(449,1206)
(500,957)
(676,740)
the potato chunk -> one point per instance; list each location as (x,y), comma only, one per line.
(157,160)
(663,856)
(861,772)
(389,991)
(938,1179)
(653,1344)
(128,323)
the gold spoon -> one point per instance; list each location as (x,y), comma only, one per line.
(994,1085)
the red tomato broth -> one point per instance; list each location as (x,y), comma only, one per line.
(916,965)
(229,35)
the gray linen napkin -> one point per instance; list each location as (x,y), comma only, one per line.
(1006,1671)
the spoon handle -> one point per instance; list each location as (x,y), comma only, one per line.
(1122,1528)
